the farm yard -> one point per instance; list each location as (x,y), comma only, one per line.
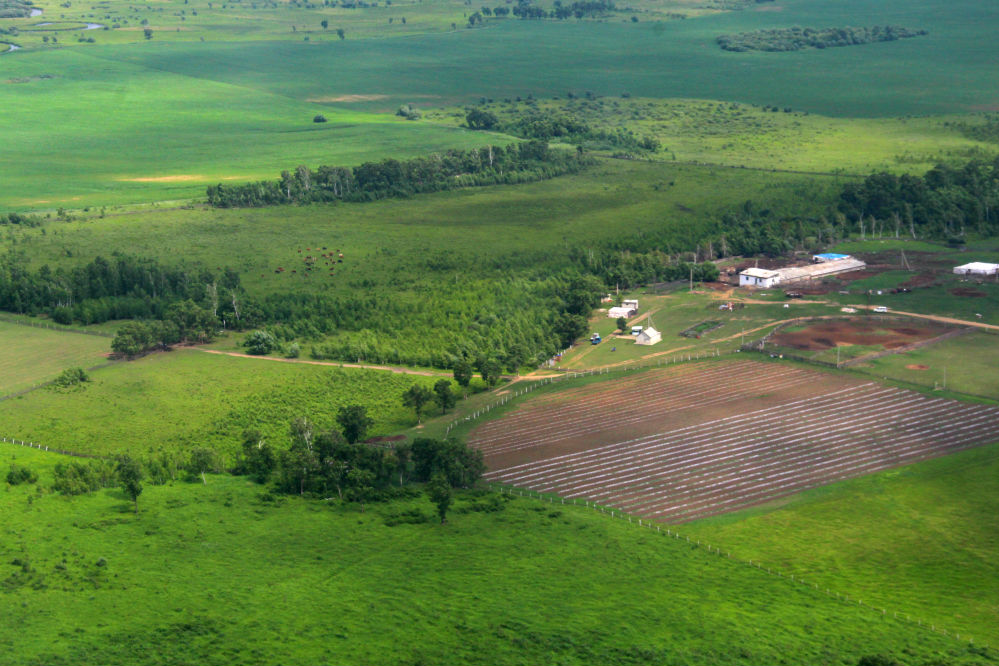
(701,439)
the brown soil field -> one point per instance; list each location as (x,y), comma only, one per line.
(828,334)
(694,440)
(967,292)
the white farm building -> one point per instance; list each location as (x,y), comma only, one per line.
(758,277)
(621,311)
(648,336)
(977,268)
(832,265)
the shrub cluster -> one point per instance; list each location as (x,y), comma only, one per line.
(796,38)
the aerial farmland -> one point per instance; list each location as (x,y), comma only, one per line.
(514,333)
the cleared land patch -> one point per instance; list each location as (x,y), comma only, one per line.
(702,439)
(30,356)
(829,334)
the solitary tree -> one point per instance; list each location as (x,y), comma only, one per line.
(148,32)
(463,373)
(417,397)
(443,395)
(340,33)
(324,23)
(130,478)
(491,371)
(202,461)
(403,452)
(439,492)
(354,422)
(622,323)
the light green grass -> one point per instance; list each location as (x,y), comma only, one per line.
(970,363)
(919,540)
(211,574)
(30,356)
(186,398)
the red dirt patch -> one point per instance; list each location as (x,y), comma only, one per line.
(917,366)
(967,292)
(828,334)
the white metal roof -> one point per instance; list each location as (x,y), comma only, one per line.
(759,273)
(978,266)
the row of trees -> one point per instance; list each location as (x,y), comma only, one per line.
(532,160)
(526,9)
(183,322)
(797,38)
(547,125)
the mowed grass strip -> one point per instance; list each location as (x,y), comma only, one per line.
(186,398)
(921,540)
(31,356)
(220,573)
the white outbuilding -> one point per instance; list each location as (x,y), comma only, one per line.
(758,277)
(648,336)
(977,269)
(622,311)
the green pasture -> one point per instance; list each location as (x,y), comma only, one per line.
(187,398)
(475,232)
(945,72)
(966,364)
(918,540)
(30,356)
(222,572)
(103,132)
(743,135)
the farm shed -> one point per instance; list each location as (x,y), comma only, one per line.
(758,277)
(630,304)
(820,270)
(622,311)
(648,336)
(977,268)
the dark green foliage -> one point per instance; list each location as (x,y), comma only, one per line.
(439,492)
(17,475)
(463,372)
(444,396)
(125,287)
(77,478)
(417,397)
(15,9)
(184,321)
(71,377)
(460,464)
(200,462)
(796,39)
(621,323)
(258,458)
(579,9)
(260,343)
(354,422)
(130,478)
(946,202)
(516,163)
(479,119)
(319,118)
(491,371)
(877,660)
(548,125)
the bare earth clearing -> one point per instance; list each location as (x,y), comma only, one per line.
(701,439)
(829,334)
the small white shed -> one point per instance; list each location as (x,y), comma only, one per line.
(758,277)
(977,268)
(648,336)
(621,311)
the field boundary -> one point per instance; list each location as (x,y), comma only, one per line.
(957,332)
(712,549)
(65,329)
(39,447)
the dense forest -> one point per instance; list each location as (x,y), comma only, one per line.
(452,169)
(796,38)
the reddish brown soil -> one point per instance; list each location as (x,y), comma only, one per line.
(694,440)
(917,366)
(829,334)
(967,292)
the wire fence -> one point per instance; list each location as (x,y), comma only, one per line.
(712,549)
(53,327)
(40,447)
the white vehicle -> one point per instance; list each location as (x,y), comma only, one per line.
(881,308)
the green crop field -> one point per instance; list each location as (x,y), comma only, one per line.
(30,356)
(217,573)
(916,540)
(183,399)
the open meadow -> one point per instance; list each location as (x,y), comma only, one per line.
(223,572)
(185,399)
(30,356)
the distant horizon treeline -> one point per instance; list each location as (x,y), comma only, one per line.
(452,169)
(797,38)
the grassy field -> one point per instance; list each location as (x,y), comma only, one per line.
(917,540)
(743,135)
(967,364)
(186,398)
(30,356)
(315,582)
(87,132)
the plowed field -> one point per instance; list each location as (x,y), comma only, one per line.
(701,439)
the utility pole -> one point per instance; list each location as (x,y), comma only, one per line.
(691,279)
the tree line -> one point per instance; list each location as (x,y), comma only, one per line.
(797,38)
(548,125)
(452,169)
